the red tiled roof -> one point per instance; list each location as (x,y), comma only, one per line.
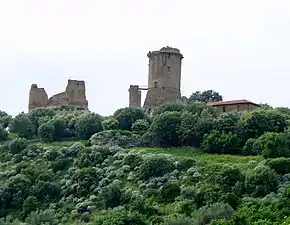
(233,102)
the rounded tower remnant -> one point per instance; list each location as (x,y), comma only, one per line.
(164,77)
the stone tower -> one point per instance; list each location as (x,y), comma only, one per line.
(134,96)
(164,77)
(37,97)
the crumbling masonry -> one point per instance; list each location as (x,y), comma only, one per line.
(74,95)
(163,79)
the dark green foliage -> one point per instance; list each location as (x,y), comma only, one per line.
(169,192)
(261,121)
(274,145)
(155,166)
(187,129)
(22,126)
(46,132)
(165,128)
(261,181)
(120,218)
(279,165)
(3,134)
(17,145)
(221,143)
(205,96)
(169,107)
(87,125)
(29,205)
(111,195)
(35,114)
(140,126)
(121,138)
(110,124)
(227,123)
(252,147)
(129,115)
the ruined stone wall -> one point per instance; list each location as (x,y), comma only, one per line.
(164,77)
(74,95)
(37,97)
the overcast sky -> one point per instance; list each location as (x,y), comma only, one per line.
(240,48)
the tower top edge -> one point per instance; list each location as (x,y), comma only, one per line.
(166,49)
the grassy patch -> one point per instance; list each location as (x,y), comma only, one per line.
(197,154)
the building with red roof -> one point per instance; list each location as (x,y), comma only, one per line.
(234,106)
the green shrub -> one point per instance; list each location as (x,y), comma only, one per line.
(46,132)
(140,126)
(221,143)
(17,145)
(155,166)
(261,181)
(274,145)
(252,147)
(121,138)
(279,165)
(110,124)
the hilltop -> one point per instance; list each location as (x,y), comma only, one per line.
(182,164)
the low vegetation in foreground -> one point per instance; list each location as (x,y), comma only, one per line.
(181,165)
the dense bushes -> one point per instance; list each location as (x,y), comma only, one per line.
(96,181)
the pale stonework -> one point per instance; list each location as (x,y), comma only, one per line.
(74,95)
(164,76)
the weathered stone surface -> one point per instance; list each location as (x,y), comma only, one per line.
(74,95)
(164,77)
(37,97)
(134,96)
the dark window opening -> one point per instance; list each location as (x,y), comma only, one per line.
(238,108)
(155,84)
(168,67)
(163,88)
(224,109)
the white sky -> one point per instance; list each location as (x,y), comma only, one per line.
(240,48)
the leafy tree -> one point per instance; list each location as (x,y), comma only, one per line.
(279,165)
(46,132)
(206,96)
(17,145)
(35,114)
(22,126)
(59,124)
(120,218)
(127,116)
(140,126)
(165,128)
(187,127)
(29,205)
(274,145)
(261,181)
(110,124)
(155,166)
(261,121)
(221,143)
(19,188)
(227,122)
(252,147)
(3,134)
(87,125)
(168,107)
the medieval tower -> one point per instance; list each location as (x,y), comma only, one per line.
(164,77)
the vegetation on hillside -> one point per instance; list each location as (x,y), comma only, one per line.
(183,164)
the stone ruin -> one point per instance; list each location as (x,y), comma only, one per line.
(164,78)
(74,95)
